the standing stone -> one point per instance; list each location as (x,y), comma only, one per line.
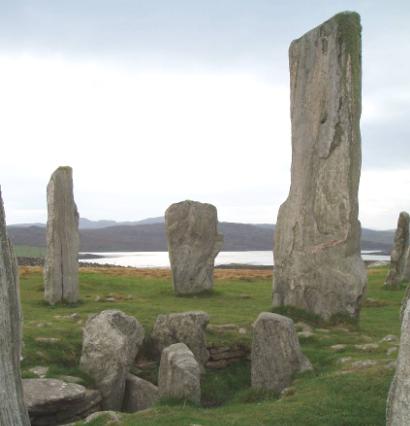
(398,401)
(276,355)
(186,327)
(111,341)
(12,408)
(179,374)
(398,256)
(63,241)
(318,266)
(193,244)
(139,394)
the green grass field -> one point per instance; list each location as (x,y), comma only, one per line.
(334,394)
(29,251)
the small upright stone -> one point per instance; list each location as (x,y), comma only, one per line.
(13,411)
(398,401)
(111,341)
(63,241)
(179,374)
(139,394)
(193,244)
(186,327)
(276,355)
(398,256)
(318,266)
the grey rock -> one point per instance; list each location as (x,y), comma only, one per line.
(344,360)
(12,408)
(276,355)
(111,341)
(186,327)
(338,347)
(63,241)
(193,243)
(109,416)
(139,394)
(389,338)
(398,255)
(318,266)
(364,363)
(52,402)
(367,347)
(179,374)
(398,401)
(39,371)
(406,273)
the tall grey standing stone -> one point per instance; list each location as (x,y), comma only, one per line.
(276,355)
(179,375)
(398,401)
(318,266)
(193,244)
(12,407)
(111,341)
(398,255)
(63,241)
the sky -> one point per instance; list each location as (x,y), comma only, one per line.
(156,101)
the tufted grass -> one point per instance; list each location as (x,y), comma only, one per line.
(333,394)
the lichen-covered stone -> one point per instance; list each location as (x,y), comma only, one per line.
(193,244)
(12,407)
(179,374)
(139,394)
(398,401)
(111,341)
(398,255)
(276,355)
(63,241)
(318,266)
(185,327)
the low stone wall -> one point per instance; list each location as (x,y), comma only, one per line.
(222,356)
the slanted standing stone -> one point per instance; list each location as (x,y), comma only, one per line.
(111,341)
(186,327)
(276,355)
(398,402)
(318,266)
(12,408)
(193,243)
(139,394)
(63,241)
(179,374)
(398,256)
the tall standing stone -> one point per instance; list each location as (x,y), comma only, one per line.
(398,255)
(318,266)
(63,241)
(12,408)
(398,401)
(193,243)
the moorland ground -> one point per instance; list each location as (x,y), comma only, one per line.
(339,391)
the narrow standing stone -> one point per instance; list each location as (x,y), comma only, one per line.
(12,408)
(398,256)
(193,244)
(63,241)
(398,401)
(318,266)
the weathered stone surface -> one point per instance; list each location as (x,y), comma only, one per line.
(12,409)
(53,402)
(63,241)
(179,374)
(318,266)
(276,355)
(139,394)
(398,401)
(398,255)
(193,243)
(406,273)
(111,341)
(185,327)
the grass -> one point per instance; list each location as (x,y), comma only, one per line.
(334,394)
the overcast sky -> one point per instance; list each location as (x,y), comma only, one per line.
(156,101)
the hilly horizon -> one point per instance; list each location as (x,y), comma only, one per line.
(149,235)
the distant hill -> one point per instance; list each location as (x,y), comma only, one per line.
(149,235)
